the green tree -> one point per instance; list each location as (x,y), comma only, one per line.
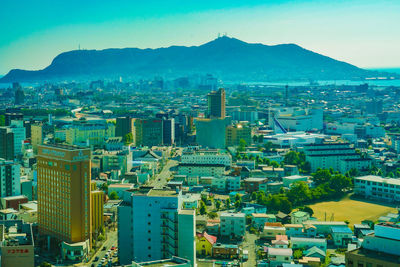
(255,138)
(261,138)
(2,120)
(212,215)
(45,264)
(268,146)
(299,193)
(322,176)
(297,254)
(242,145)
(203,208)
(114,195)
(128,138)
(228,203)
(274,164)
(238,204)
(104,187)
(217,204)
(254,196)
(308,210)
(249,219)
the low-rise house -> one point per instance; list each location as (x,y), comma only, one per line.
(359,227)
(252,184)
(225,251)
(307,243)
(281,241)
(310,230)
(299,217)
(294,230)
(271,230)
(190,201)
(278,256)
(315,253)
(324,228)
(341,236)
(259,219)
(283,217)
(310,261)
(204,244)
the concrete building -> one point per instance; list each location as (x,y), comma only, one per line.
(233,225)
(307,243)
(153,226)
(206,157)
(97,209)
(216,104)
(123,126)
(36,136)
(87,133)
(211,132)
(16,244)
(235,133)
(18,129)
(6,144)
(194,169)
(298,217)
(298,119)
(10,180)
(151,132)
(168,131)
(338,156)
(289,180)
(63,189)
(376,187)
(378,249)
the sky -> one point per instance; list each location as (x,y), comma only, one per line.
(365,33)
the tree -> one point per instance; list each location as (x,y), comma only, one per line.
(274,164)
(45,264)
(212,215)
(268,146)
(248,219)
(238,197)
(254,196)
(104,187)
(321,176)
(261,138)
(242,145)
(217,204)
(255,138)
(299,193)
(308,210)
(203,208)
(228,203)
(297,254)
(128,138)
(2,120)
(238,204)
(114,195)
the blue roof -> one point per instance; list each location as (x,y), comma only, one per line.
(338,229)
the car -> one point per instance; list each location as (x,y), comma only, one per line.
(93,265)
(112,248)
(104,248)
(96,258)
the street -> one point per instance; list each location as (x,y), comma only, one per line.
(112,240)
(161,179)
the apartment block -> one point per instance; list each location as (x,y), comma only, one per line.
(233,225)
(376,187)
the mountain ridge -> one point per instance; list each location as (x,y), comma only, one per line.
(226,57)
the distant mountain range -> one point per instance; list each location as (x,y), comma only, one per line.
(225,57)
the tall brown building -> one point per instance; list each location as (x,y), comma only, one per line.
(64,200)
(216,104)
(6,144)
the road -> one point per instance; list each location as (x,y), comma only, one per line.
(112,240)
(161,179)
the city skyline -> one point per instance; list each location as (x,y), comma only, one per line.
(358,32)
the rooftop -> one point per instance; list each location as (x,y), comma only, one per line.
(379,179)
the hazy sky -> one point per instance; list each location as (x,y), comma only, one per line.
(363,32)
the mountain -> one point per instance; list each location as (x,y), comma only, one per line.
(225,57)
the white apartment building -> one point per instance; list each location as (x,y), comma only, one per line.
(233,225)
(370,186)
(207,157)
(298,119)
(194,169)
(338,156)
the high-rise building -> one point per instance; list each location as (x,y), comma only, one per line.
(19,94)
(153,226)
(63,190)
(152,132)
(36,136)
(211,132)
(6,143)
(12,117)
(235,133)
(216,104)
(10,180)
(123,126)
(168,131)
(97,202)
(18,129)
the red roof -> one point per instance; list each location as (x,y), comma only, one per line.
(281,237)
(210,238)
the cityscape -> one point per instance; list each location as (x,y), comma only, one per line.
(223,151)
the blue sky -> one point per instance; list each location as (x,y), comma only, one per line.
(362,32)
